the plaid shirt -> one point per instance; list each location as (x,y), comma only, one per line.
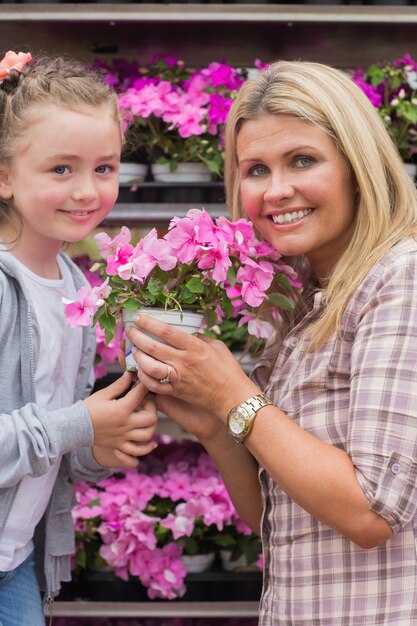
(358,393)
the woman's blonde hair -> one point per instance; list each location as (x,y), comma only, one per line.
(386,209)
(66,83)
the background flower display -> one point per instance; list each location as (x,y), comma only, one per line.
(140,522)
(174,114)
(215,266)
(392,88)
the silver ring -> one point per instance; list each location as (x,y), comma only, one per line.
(167,378)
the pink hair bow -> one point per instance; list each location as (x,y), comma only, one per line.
(13,61)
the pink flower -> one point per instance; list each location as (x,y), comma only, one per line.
(180,525)
(369,91)
(108,246)
(80,312)
(255,278)
(14,61)
(219,108)
(150,253)
(256,327)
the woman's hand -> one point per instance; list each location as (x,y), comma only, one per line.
(201,371)
(199,422)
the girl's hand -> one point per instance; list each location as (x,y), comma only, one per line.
(201,371)
(123,423)
(108,457)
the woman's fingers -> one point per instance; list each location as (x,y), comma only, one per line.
(171,336)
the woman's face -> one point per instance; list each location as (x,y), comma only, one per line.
(296,188)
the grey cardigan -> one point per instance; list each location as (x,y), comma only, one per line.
(31,438)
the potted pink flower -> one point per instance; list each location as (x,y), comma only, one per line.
(177,115)
(141,523)
(217,269)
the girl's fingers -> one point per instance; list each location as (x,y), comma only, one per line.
(134,397)
(126,459)
(135,449)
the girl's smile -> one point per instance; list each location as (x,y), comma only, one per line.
(296,188)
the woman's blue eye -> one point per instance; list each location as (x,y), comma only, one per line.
(304,161)
(61,169)
(258,170)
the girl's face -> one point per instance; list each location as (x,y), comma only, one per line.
(296,189)
(63,177)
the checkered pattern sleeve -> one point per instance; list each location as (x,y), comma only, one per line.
(382,437)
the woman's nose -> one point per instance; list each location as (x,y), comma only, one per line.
(280,187)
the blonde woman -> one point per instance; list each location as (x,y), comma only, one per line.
(328,418)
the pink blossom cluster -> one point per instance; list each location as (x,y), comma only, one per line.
(127,514)
(225,253)
(106,353)
(193,107)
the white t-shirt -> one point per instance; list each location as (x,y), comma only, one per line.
(59,352)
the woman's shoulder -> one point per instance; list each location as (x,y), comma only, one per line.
(401,257)
(395,270)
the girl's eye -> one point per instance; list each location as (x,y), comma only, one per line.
(258,170)
(303,161)
(103,169)
(61,169)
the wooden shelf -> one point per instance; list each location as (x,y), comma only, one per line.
(154,609)
(153,214)
(344,36)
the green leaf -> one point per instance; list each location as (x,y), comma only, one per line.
(231,276)
(210,317)
(81,558)
(225,541)
(214,166)
(284,281)
(281,301)
(108,324)
(408,111)
(154,287)
(195,285)
(190,545)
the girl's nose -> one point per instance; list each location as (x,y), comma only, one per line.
(84,190)
(280,187)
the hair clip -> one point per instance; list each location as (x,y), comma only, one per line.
(14,61)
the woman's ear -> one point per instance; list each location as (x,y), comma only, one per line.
(6,191)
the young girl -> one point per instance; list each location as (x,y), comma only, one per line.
(60,144)
(327,472)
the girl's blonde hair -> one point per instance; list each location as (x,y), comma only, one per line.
(66,83)
(386,209)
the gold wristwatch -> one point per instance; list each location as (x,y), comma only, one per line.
(240,419)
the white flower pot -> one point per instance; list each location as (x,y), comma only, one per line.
(131,173)
(188,321)
(198,562)
(185,173)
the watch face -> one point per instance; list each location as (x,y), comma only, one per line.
(237,422)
